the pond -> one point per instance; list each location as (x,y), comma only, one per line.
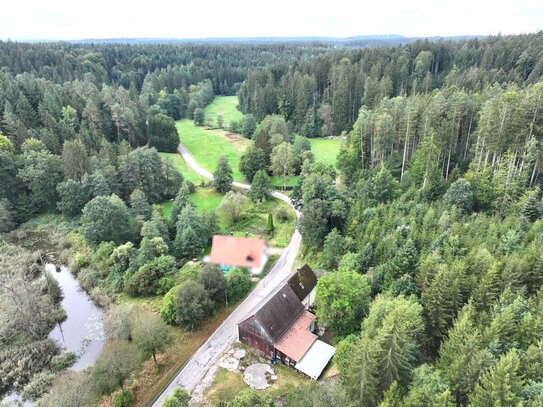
(82,331)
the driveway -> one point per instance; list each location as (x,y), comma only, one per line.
(205,357)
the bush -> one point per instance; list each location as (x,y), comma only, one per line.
(146,281)
(167,309)
(191,186)
(88,278)
(63,361)
(282,214)
(38,385)
(122,398)
(238,283)
(179,398)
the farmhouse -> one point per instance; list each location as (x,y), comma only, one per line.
(230,251)
(282,328)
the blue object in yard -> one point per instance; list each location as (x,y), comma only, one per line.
(225,269)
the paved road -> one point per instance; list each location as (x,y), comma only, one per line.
(205,357)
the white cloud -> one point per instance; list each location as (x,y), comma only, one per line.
(64,19)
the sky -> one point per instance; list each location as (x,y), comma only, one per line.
(76,19)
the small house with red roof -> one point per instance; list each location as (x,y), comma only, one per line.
(230,251)
(282,328)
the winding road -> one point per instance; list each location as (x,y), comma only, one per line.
(207,355)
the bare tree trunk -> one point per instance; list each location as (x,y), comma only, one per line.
(406,142)
(469,133)
(448,163)
(532,178)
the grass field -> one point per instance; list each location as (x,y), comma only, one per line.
(225,106)
(204,200)
(180,165)
(207,146)
(325,150)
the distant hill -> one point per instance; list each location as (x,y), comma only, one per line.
(355,41)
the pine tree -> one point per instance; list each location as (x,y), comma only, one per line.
(260,187)
(532,209)
(440,304)
(222,177)
(462,356)
(501,384)
(181,200)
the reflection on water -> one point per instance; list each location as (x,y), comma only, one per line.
(82,331)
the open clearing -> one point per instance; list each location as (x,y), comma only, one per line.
(325,149)
(225,106)
(207,146)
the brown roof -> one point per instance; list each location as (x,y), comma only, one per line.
(237,251)
(279,312)
(297,339)
(303,281)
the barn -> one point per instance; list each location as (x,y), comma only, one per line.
(303,282)
(282,328)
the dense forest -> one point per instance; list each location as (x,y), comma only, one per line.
(429,227)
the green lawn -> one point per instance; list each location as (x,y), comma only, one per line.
(208,145)
(278,182)
(225,106)
(180,165)
(254,223)
(204,200)
(325,150)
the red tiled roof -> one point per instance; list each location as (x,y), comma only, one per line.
(297,339)
(237,251)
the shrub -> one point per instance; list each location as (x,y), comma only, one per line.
(179,398)
(167,309)
(63,361)
(238,283)
(282,214)
(38,385)
(122,398)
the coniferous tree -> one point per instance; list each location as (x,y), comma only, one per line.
(75,160)
(222,177)
(181,200)
(501,384)
(163,133)
(260,187)
(532,208)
